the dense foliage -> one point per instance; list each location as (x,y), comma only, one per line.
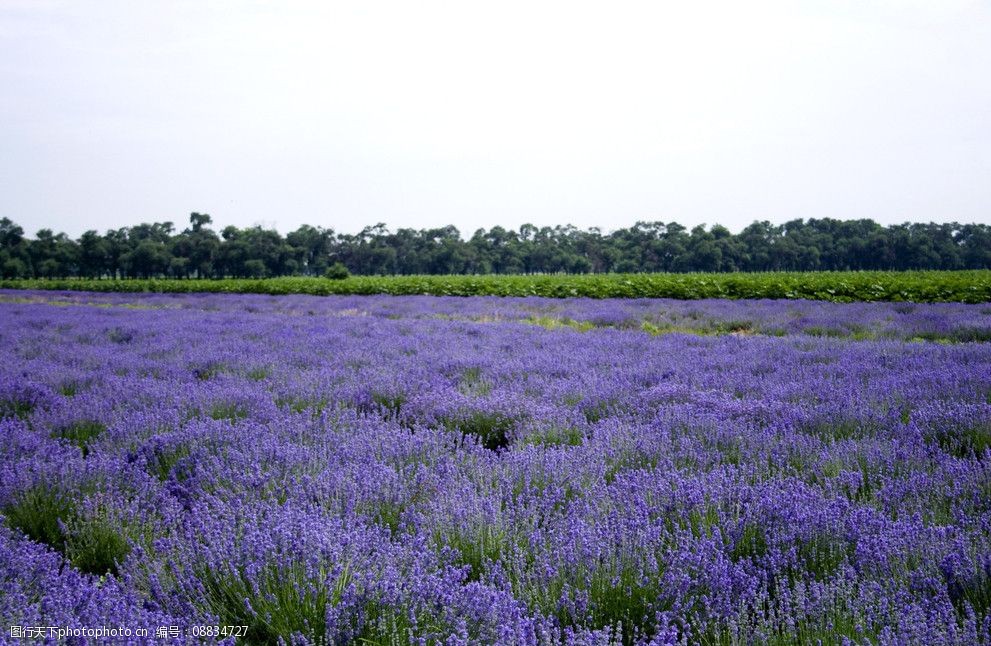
(447,470)
(924,286)
(157,250)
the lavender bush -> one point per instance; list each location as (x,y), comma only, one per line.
(944,322)
(511,471)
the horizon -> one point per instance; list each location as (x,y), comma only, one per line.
(178,226)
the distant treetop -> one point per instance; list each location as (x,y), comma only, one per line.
(150,250)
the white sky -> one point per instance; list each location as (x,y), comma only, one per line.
(421,114)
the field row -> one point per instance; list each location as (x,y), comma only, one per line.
(938,322)
(422,470)
(918,286)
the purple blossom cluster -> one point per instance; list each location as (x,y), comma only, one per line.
(944,322)
(432,470)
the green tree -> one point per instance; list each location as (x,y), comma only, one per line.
(15,260)
(94,255)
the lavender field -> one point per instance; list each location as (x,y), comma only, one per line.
(393,470)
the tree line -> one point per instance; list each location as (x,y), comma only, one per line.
(157,249)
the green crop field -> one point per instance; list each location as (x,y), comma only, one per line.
(918,286)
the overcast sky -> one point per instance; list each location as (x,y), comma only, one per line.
(421,114)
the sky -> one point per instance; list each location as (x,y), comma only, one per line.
(423,114)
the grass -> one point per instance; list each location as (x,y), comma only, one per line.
(968,441)
(81,433)
(959,335)
(479,548)
(98,545)
(391,403)
(208,371)
(72,387)
(163,460)
(627,460)
(120,336)
(384,626)
(751,544)
(276,603)
(491,428)
(837,430)
(836,627)
(94,543)
(597,411)
(15,408)
(229,411)
(473,384)
(973,592)
(40,512)
(556,436)
(621,593)
(918,286)
(551,323)
(822,555)
(313,405)
(260,373)
(625,599)
(734,327)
